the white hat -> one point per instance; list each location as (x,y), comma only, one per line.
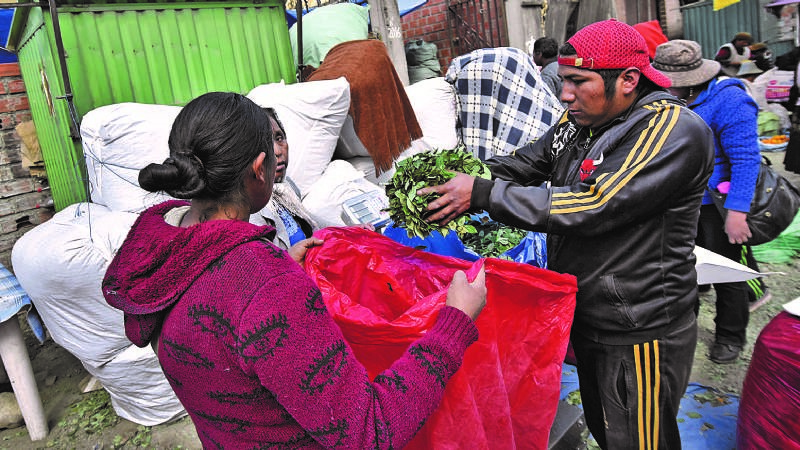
(748,68)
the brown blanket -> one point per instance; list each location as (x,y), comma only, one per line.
(382,115)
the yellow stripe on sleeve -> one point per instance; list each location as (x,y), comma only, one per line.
(653,139)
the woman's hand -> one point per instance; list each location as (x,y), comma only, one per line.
(365,226)
(298,251)
(468,297)
(736,227)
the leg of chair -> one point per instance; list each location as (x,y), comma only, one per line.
(18,366)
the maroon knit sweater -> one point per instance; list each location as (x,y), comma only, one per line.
(252,353)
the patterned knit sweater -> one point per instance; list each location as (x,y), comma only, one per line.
(732,115)
(249,348)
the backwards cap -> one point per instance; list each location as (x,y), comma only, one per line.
(611,44)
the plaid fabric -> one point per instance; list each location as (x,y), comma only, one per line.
(14,299)
(503,102)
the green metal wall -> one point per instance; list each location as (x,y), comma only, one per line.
(713,28)
(145,52)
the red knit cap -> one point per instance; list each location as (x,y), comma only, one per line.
(611,44)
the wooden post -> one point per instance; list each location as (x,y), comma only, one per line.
(18,366)
(384,16)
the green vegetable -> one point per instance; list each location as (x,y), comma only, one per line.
(407,209)
(492,239)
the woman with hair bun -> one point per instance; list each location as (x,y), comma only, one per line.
(240,330)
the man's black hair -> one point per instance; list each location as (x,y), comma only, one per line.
(548,47)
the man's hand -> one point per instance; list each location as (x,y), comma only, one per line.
(454,201)
(736,227)
(298,251)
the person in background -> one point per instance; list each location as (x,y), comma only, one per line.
(284,211)
(731,55)
(762,56)
(241,330)
(545,55)
(757,291)
(737,158)
(653,35)
(627,167)
(748,72)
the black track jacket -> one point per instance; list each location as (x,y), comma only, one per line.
(627,230)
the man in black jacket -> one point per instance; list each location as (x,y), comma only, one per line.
(617,185)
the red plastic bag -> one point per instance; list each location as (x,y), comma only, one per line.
(770,404)
(385,295)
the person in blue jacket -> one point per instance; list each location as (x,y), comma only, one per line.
(732,115)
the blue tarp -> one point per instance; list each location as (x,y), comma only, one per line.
(706,418)
(404,6)
(6,14)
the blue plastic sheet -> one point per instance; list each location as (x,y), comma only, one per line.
(531,250)
(449,245)
(706,418)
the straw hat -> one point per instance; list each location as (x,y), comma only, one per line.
(748,68)
(682,62)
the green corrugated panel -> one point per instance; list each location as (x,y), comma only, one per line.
(40,71)
(171,56)
(166,53)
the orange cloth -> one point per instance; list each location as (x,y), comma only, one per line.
(382,114)
(652,34)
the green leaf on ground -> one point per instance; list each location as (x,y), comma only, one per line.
(574,398)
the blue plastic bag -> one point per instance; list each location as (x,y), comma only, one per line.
(449,245)
(531,250)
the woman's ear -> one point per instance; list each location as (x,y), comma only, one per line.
(259,168)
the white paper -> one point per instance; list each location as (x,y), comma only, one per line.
(714,268)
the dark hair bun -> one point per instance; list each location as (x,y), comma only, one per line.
(178,176)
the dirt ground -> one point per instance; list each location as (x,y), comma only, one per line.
(87,421)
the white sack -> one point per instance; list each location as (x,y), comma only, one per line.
(366,166)
(312,114)
(118,141)
(434,103)
(60,264)
(138,389)
(339,183)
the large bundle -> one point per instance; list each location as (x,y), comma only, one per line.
(61,264)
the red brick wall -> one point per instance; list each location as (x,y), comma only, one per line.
(25,201)
(429,23)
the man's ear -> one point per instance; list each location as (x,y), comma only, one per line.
(259,170)
(630,79)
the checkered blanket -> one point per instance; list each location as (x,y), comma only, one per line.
(503,102)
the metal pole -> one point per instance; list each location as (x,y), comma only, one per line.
(298,7)
(62,60)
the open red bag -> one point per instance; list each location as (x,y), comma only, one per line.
(385,295)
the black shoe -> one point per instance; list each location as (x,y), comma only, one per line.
(724,353)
